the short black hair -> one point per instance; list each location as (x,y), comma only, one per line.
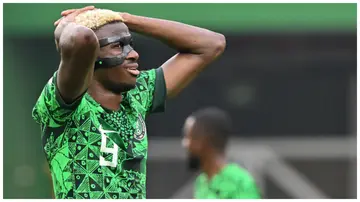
(215,124)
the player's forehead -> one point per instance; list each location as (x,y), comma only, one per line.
(112,29)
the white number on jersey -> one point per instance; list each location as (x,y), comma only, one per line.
(103,148)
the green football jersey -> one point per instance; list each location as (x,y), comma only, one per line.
(232,182)
(94,152)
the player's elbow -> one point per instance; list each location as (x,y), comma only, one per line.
(78,38)
(217,47)
(219,44)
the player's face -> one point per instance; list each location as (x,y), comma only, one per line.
(192,142)
(122,77)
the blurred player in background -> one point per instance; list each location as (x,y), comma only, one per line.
(92,110)
(206,135)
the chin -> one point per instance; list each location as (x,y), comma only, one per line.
(127,86)
(132,81)
(120,87)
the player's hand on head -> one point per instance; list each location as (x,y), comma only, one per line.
(69,11)
(70,14)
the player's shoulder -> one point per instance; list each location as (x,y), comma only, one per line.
(50,86)
(50,109)
(147,75)
(237,173)
(144,82)
(200,179)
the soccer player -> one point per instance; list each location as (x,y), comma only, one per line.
(92,110)
(205,137)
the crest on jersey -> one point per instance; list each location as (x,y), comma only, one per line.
(140,129)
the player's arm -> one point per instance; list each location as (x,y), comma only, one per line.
(197,48)
(61,95)
(78,47)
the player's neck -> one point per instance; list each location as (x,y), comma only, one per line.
(105,97)
(212,166)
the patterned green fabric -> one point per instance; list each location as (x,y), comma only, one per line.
(233,182)
(94,152)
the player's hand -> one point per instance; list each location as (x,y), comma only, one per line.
(70,14)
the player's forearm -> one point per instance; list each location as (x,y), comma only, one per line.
(59,30)
(184,38)
(78,47)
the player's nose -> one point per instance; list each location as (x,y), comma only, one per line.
(133,55)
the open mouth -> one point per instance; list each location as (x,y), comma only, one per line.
(133,69)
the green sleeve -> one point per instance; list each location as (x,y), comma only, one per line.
(152,88)
(50,109)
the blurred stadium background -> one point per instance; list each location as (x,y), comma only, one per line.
(287,77)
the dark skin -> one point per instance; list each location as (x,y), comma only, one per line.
(107,83)
(211,160)
(79,49)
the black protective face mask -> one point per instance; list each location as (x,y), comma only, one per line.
(126,45)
